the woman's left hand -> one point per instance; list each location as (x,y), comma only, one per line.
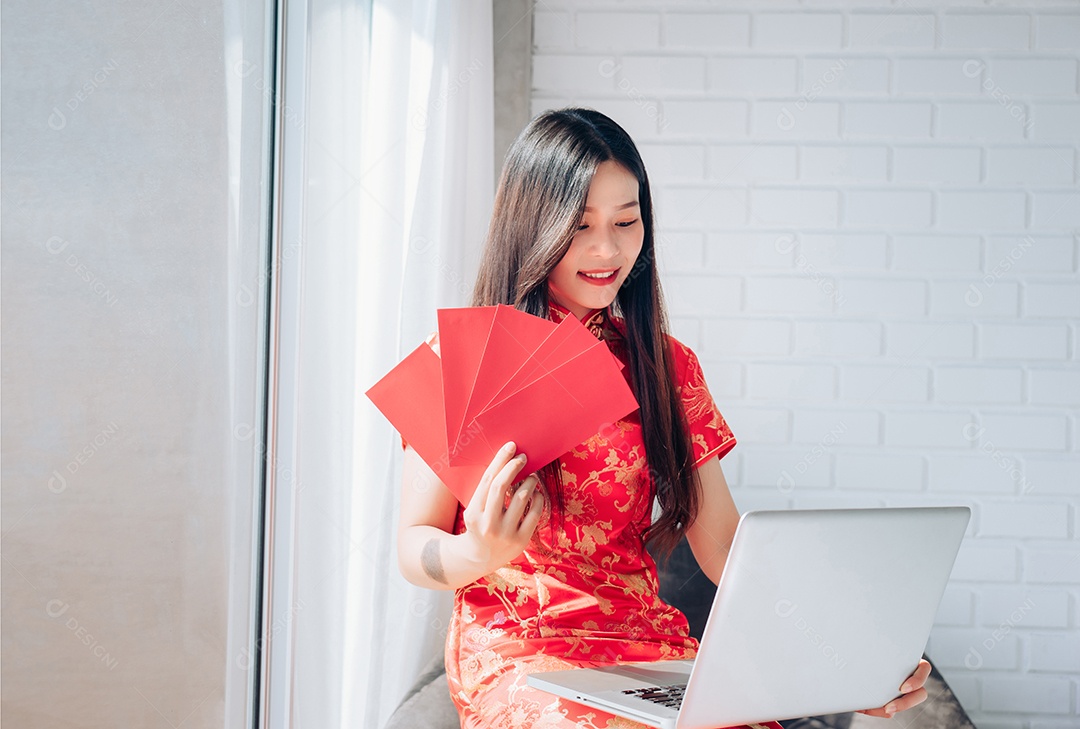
(912,690)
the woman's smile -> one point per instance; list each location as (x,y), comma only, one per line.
(600,278)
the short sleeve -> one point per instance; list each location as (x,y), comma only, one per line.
(709,432)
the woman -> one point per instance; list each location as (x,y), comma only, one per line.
(550,571)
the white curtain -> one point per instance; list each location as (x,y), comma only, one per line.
(396,127)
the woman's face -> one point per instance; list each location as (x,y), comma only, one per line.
(607,243)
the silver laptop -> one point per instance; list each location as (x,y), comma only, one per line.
(818,612)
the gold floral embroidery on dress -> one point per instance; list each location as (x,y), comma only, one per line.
(697,401)
(585,593)
(699,406)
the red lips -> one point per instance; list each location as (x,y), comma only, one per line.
(610,278)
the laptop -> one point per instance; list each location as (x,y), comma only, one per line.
(818,611)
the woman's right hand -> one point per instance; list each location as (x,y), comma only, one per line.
(497,531)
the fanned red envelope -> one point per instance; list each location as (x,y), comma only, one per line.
(411,398)
(503,375)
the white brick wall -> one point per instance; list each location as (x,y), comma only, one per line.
(870,227)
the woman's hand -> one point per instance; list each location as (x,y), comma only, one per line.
(912,690)
(499,520)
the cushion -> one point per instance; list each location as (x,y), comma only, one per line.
(427,704)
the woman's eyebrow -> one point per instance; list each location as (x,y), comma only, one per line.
(624,206)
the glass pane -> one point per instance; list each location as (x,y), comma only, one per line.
(134,143)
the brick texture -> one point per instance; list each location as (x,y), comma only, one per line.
(870,225)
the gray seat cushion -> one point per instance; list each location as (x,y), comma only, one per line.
(428,702)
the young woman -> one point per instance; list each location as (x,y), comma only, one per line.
(550,571)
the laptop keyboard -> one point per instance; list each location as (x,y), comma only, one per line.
(670,696)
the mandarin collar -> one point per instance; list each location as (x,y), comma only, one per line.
(595,321)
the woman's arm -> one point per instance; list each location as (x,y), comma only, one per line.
(712,531)
(430,556)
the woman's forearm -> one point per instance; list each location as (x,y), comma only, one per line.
(429,557)
(711,533)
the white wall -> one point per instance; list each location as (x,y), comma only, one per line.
(869,216)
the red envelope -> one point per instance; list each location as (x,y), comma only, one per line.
(411,398)
(463,336)
(563,407)
(517,335)
(503,375)
(566,340)
(513,334)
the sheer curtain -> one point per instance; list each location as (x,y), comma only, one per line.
(386,170)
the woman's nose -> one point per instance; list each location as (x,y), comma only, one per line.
(605,243)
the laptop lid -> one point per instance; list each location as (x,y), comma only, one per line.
(821,611)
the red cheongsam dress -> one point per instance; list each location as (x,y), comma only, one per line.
(585,594)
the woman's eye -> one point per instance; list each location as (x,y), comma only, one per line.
(626,224)
(582,226)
